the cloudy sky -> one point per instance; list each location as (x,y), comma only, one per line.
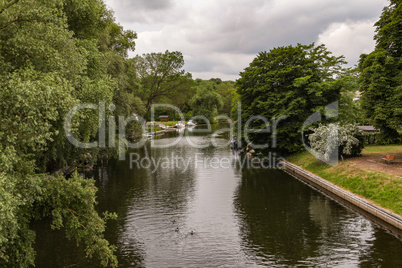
(219,38)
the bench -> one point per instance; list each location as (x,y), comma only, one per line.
(387,157)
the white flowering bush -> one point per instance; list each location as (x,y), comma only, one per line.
(332,139)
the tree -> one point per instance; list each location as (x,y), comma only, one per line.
(381,74)
(55,54)
(292,81)
(349,107)
(33,36)
(161,76)
(225,89)
(181,99)
(206,102)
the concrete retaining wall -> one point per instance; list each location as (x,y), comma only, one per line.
(335,192)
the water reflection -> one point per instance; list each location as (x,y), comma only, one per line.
(147,201)
(284,222)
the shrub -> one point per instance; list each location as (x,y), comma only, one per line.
(348,140)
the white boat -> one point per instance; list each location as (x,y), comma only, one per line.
(180,124)
(190,123)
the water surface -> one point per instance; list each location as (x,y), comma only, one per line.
(240,217)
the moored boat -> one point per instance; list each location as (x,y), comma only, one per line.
(190,123)
(180,124)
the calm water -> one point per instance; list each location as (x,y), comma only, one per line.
(241,217)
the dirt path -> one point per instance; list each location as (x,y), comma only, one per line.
(371,162)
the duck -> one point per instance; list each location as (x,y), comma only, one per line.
(177,229)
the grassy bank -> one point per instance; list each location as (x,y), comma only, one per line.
(379,187)
(382,149)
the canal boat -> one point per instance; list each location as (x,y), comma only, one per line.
(190,123)
(180,124)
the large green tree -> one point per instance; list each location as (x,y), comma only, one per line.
(55,54)
(291,81)
(162,76)
(349,107)
(206,102)
(227,91)
(381,75)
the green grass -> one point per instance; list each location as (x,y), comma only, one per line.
(154,129)
(382,149)
(169,124)
(381,188)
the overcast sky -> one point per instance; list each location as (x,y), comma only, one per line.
(219,38)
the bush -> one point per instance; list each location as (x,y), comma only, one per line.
(347,139)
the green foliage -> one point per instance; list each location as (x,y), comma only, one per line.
(371,138)
(388,29)
(206,102)
(292,81)
(225,89)
(26,129)
(162,76)
(381,76)
(53,55)
(69,203)
(86,18)
(235,103)
(33,33)
(349,109)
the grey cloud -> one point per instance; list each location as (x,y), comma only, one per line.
(141,11)
(138,5)
(246,30)
(152,4)
(223,36)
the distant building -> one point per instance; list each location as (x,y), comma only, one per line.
(368,129)
(164,118)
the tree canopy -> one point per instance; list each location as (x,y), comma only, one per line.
(162,76)
(55,54)
(291,82)
(206,102)
(381,75)
(225,89)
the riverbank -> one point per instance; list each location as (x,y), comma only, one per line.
(378,186)
(160,132)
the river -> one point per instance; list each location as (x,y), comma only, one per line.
(239,216)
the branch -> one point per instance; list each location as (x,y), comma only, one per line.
(13,21)
(73,211)
(9,5)
(76,216)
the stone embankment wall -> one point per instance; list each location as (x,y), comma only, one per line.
(385,218)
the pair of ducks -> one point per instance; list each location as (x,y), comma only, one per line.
(177,228)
